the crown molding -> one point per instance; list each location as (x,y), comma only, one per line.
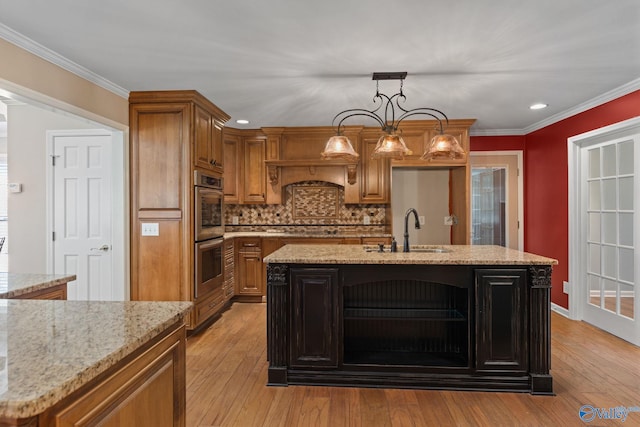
(625,89)
(47,54)
(496,132)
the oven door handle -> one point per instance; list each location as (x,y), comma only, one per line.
(208,244)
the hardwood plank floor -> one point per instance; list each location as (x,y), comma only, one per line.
(227,373)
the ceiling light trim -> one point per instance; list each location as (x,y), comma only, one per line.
(49,55)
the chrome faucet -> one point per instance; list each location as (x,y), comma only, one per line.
(405,247)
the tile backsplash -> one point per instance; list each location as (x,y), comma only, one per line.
(308,206)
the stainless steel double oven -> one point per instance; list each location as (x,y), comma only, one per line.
(209,231)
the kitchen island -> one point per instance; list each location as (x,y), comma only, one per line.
(446,317)
(120,363)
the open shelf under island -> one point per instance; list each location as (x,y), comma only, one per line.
(447,317)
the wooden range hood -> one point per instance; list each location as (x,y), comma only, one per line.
(317,170)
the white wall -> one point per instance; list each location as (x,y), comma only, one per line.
(428,192)
(27,126)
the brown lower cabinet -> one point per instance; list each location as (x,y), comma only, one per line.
(147,388)
(250,272)
(250,283)
(58,292)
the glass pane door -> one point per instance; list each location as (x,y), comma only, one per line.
(488,206)
(610,182)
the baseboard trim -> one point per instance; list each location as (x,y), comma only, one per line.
(560,310)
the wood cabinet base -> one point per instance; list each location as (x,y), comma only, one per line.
(148,388)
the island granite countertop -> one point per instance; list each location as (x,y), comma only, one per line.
(49,349)
(13,285)
(359,254)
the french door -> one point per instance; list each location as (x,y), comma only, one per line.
(605,243)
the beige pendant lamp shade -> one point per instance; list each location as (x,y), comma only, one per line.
(390,146)
(339,147)
(444,146)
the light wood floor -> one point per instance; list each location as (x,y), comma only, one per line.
(227,373)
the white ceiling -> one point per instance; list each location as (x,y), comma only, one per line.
(298,63)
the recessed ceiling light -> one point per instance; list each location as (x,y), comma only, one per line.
(242,121)
(538,106)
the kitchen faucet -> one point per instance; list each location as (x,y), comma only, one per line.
(405,247)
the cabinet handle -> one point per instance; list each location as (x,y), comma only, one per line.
(213,162)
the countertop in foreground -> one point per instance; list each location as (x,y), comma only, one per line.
(49,349)
(356,254)
(12,285)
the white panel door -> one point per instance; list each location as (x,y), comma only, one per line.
(82,213)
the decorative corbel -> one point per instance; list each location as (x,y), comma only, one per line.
(351,173)
(273,174)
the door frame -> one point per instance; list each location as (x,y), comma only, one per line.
(519,154)
(119,204)
(577,253)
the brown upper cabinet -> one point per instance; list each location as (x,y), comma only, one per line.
(260,163)
(375,173)
(208,140)
(245,179)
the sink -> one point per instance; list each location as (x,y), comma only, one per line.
(416,249)
(430,250)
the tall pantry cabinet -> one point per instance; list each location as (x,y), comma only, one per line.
(172,133)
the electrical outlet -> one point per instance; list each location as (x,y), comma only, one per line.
(448,220)
(565,287)
(421,220)
(235,220)
(367,220)
(150,229)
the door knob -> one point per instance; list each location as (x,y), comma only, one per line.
(103,248)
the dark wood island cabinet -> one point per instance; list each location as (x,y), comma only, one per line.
(462,318)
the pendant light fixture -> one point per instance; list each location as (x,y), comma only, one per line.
(391,144)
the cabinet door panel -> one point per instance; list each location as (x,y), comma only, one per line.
(314,322)
(232,154)
(202,142)
(255,186)
(217,157)
(501,322)
(249,274)
(375,174)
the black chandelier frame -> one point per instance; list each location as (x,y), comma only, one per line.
(390,103)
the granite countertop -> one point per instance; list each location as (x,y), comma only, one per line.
(317,234)
(12,285)
(358,254)
(49,349)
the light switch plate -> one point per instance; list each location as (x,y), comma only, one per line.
(367,220)
(448,220)
(235,220)
(565,287)
(150,229)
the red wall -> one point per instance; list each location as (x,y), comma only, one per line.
(546,197)
(546,183)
